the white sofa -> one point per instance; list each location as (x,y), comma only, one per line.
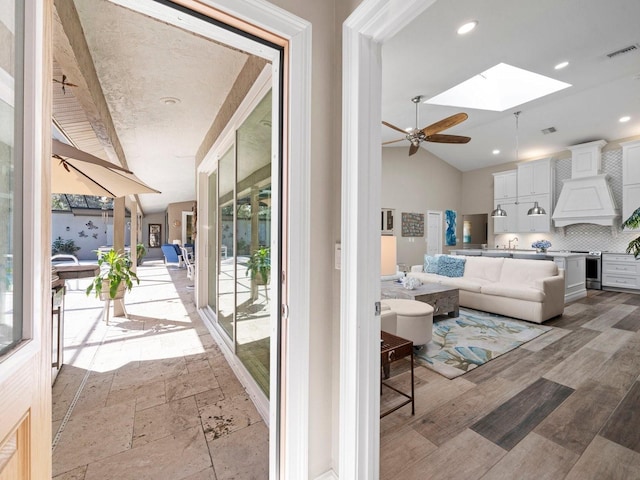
(531,290)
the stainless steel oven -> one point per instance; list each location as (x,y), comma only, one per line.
(593,269)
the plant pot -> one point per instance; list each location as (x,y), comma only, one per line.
(104,293)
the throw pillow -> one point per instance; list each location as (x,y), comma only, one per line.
(430,264)
(451,266)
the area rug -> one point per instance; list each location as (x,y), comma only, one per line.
(472,339)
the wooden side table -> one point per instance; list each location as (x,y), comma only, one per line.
(394,348)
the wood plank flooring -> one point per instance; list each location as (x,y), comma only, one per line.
(564,406)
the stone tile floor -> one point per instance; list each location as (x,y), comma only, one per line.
(150,396)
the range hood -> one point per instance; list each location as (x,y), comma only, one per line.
(586,197)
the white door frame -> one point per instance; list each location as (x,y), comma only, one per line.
(364,32)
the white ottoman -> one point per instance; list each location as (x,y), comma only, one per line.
(415,319)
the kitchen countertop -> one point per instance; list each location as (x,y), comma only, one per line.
(516,253)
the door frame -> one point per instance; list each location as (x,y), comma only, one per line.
(367,28)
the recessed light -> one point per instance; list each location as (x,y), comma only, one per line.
(467,27)
(170,100)
(561,65)
(496,151)
(626,118)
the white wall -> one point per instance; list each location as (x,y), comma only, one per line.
(416,184)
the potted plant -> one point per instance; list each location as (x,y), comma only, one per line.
(115,276)
(140,253)
(633,222)
(259,266)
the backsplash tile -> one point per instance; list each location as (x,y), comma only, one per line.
(583,236)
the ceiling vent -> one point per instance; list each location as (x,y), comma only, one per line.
(549,130)
(624,50)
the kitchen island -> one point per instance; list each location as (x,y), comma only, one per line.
(573,265)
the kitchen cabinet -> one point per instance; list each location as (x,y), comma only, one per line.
(620,270)
(533,224)
(630,178)
(504,185)
(574,266)
(534,178)
(508,224)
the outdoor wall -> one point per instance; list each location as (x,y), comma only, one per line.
(174,214)
(157,218)
(414,185)
(87,231)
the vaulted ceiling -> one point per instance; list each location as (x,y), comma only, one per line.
(429,57)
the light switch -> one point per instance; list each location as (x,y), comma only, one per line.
(338,255)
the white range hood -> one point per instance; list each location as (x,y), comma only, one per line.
(586,197)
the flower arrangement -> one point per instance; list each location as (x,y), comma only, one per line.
(541,245)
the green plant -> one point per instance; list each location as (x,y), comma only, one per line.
(115,269)
(259,265)
(633,222)
(140,253)
(60,245)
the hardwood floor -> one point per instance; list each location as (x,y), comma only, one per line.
(563,406)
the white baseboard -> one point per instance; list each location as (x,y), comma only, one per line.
(572,297)
(328,475)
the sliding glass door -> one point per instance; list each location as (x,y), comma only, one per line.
(240,240)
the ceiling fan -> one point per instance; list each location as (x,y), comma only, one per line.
(64,83)
(431,132)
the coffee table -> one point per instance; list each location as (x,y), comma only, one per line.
(443,299)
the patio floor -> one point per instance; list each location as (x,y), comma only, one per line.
(151,396)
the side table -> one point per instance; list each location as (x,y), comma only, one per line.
(394,348)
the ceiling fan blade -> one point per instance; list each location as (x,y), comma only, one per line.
(393,141)
(445,123)
(413,149)
(439,138)
(394,127)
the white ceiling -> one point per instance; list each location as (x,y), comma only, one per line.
(428,57)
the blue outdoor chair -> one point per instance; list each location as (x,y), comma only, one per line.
(172,253)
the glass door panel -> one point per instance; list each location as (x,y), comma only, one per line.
(252,235)
(226,241)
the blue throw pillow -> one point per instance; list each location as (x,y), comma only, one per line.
(451,266)
(430,264)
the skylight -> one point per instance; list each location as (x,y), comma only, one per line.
(499,88)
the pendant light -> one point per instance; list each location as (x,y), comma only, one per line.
(534,211)
(499,212)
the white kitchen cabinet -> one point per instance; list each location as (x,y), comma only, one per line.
(620,271)
(504,185)
(534,224)
(535,178)
(630,178)
(508,224)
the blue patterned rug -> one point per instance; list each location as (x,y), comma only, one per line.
(472,339)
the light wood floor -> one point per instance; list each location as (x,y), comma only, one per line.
(566,405)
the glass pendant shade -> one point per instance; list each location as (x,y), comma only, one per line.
(499,212)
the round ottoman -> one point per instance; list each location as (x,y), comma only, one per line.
(415,319)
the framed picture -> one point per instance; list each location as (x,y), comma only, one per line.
(155,230)
(412,224)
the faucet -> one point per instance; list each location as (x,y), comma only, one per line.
(515,240)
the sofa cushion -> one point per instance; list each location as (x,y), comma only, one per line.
(451,266)
(513,291)
(469,285)
(426,277)
(526,272)
(488,268)
(430,264)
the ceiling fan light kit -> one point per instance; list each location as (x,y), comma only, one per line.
(429,133)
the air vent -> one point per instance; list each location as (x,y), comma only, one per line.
(549,130)
(624,50)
